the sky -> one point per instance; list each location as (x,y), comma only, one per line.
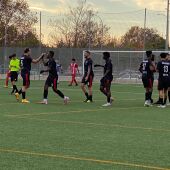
(52,8)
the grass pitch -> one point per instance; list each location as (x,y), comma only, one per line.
(83,136)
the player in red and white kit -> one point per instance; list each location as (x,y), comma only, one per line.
(74,69)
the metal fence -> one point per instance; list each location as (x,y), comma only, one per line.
(125,63)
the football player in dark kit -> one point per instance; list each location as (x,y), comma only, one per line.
(105,82)
(25,64)
(51,79)
(88,76)
(163,68)
(147,68)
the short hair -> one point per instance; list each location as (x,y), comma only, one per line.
(13,55)
(163,55)
(51,53)
(88,52)
(148,53)
(26,50)
(106,54)
(73,59)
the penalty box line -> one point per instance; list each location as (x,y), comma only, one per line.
(77,158)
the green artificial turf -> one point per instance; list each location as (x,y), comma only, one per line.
(83,136)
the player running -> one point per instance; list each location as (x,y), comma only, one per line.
(147,67)
(51,79)
(25,63)
(163,69)
(74,69)
(105,82)
(14,67)
(87,77)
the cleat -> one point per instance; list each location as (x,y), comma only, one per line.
(43,102)
(85,101)
(89,101)
(147,103)
(162,106)
(66,99)
(25,101)
(17,96)
(158,102)
(5,86)
(107,104)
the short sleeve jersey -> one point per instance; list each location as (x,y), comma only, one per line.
(163,68)
(145,68)
(52,68)
(108,66)
(73,67)
(25,63)
(88,63)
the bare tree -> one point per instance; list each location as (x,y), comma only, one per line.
(81,27)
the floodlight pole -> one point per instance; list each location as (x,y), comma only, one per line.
(167,28)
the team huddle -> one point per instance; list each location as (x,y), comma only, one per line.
(24,65)
(148,67)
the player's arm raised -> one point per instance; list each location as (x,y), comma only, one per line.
(35,61)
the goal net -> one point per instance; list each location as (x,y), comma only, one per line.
(125,64)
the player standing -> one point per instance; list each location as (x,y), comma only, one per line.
(163,69)
(14,67)
(25,63)
(105,82)
(87,77)
(147,68)
(51,79)
(74,69)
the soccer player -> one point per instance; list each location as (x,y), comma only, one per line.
(14,67)
(147,68)
(25,64)
(105,82)
(163,69)
(7,75)
(51,79)
(74,69)
(87,77)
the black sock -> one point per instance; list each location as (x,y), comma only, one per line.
(108,99)
(161,101)
(15,88)
(146,96)
(45,94)
(20,91)
(90,97)
(165,99)
(150,95)
(169,95)
(87,96)
(60,93)
(23,95)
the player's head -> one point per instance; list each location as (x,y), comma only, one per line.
(164,56)
(10,57)
(87,54)
(14,56)
(168,58)
(148,54)
(50,54)
(73,60)
(27,51)
(106,55)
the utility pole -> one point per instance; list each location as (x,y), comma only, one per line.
(167,28)
(144,40)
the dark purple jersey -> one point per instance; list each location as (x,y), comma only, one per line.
(163,68)
(88,63)
(108,67)
(52,68)
(145,68)
(25,62)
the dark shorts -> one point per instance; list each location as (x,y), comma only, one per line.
(52,82)
(26,78)
(163,84)
(89,82)
(105,82)
(147,82)
(14,76)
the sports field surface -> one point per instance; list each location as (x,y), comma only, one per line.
(83,136)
